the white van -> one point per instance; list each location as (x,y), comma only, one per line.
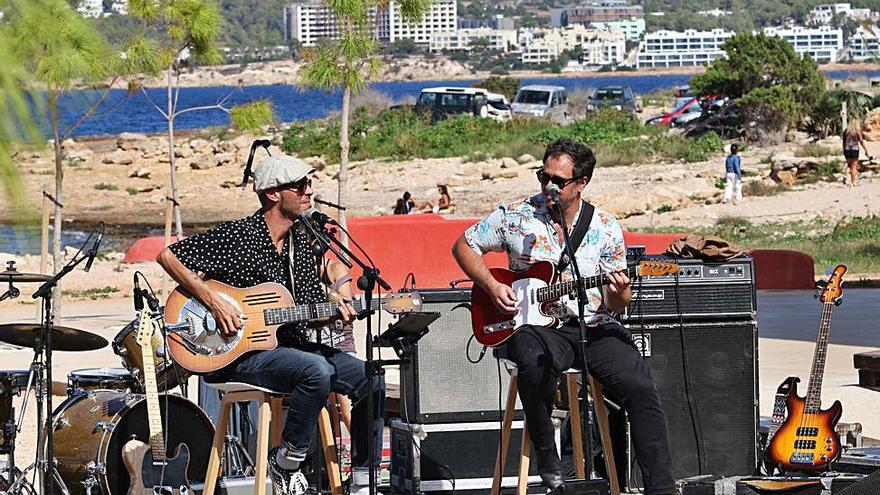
(538,100)
(442,102)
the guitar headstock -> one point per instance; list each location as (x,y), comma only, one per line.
(834,286)
(402,302)
(144,335)
(650,268)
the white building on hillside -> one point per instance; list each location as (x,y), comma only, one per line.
(598,47)
(310,21)
(442,18)
(120,7)
(463,39)
(90,8)
(823,44)
(822,14)
(632,28)
(663,49)
(864,44)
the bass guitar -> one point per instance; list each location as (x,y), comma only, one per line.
(778,418)
(150,469)
(537,291)
(806,441)
(195,341)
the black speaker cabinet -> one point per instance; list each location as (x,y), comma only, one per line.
(707,375)
(441,385)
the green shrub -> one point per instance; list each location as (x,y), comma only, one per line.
(814,149)
(103,186)
(758,188)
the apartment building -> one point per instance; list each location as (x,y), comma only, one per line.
(823,44)
(442,18)
(119,7)
(464,39)
(823,14)
(663,49)
(598,47)
(309,22)
(494,22)
(601,12)
(864,44)
(632,28)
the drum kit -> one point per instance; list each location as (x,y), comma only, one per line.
(104,409)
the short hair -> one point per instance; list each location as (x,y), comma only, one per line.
(581,156)
(734,148)
(406,196)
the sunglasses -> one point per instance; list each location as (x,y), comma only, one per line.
(299,185)
(544,178)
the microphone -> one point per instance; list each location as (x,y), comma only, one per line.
(553,191)
(94,251)
(320,218)
(138,295)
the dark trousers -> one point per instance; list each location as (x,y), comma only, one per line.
(541,354)
(309,372)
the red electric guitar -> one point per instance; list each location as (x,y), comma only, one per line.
(536,291)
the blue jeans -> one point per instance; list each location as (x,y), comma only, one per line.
(309,372)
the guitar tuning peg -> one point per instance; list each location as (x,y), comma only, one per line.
(838,301)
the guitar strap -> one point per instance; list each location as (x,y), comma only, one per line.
(577,235)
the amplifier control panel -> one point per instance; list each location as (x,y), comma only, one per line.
(739,269)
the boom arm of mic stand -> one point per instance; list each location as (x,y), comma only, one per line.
(322,239)
(366,268)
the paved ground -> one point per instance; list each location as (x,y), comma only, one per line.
(788,323)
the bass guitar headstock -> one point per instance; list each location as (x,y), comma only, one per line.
(144,329)
(650,268)
(833,288)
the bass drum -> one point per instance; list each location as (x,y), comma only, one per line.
(92,427)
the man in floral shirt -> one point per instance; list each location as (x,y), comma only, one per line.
(529,231)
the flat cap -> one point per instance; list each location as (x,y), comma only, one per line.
(279,170)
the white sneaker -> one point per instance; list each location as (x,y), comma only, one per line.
(286,482)
(360,481)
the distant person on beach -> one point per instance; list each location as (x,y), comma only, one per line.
(733,184)
(400,208)
(443,203)
(852,139)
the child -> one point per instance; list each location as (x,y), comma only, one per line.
(733,168)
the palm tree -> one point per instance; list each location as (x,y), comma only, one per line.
(347,63)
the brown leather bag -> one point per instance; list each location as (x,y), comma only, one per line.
(710,248)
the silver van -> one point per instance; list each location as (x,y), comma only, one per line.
(538,100)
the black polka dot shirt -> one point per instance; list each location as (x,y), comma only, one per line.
(241,253)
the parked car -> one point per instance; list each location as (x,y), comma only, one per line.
(442,102)
(614,96)
(687,111)
(538,100)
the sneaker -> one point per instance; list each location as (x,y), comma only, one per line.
(286,482)
(360,481)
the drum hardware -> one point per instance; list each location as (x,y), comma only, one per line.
(11,274)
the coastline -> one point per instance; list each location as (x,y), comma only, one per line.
(283,72)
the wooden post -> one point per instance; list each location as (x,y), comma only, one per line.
(169,217)
(44,235)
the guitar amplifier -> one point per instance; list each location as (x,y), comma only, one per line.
(701,290)
(441,384)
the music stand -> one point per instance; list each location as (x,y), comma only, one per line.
(406,331)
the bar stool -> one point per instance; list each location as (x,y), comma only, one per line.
(270,417)
(595,390)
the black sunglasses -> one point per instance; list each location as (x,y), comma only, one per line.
(299,185)
(544,178)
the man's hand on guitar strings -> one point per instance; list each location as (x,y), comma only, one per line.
(503,298)
(226,316)
(617,283)
(346,312)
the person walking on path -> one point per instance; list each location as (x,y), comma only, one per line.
(733,185)
(852,139)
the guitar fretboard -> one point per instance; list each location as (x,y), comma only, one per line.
(813,401)
(154,413)
(305,312)
(556,291)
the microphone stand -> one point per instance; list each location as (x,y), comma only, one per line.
(373,368)
(582,302)
(46,466)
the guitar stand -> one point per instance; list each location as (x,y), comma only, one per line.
(237,462)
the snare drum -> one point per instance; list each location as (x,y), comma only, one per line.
(11,384)
(125,346)
(119,379)
(91,429)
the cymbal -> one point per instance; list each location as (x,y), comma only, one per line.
(63,338)
(17,276)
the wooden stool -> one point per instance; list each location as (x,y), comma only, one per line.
(576,435)
(270,416)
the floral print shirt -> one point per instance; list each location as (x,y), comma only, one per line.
(524,230)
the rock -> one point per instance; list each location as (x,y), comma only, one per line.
(183,151)
(224,158)
(663,196)
(140,173)
(119,157)
(201,146)
(71,145)
(525,158)
(231,183)
(508,174)
(871,125)
(622,206)
(784,177)
(201,164)
(317,162)
(82,155)
(461,180)
(131,140)
(508,162)
(148,188)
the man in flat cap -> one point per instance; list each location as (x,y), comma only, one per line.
(271,246)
